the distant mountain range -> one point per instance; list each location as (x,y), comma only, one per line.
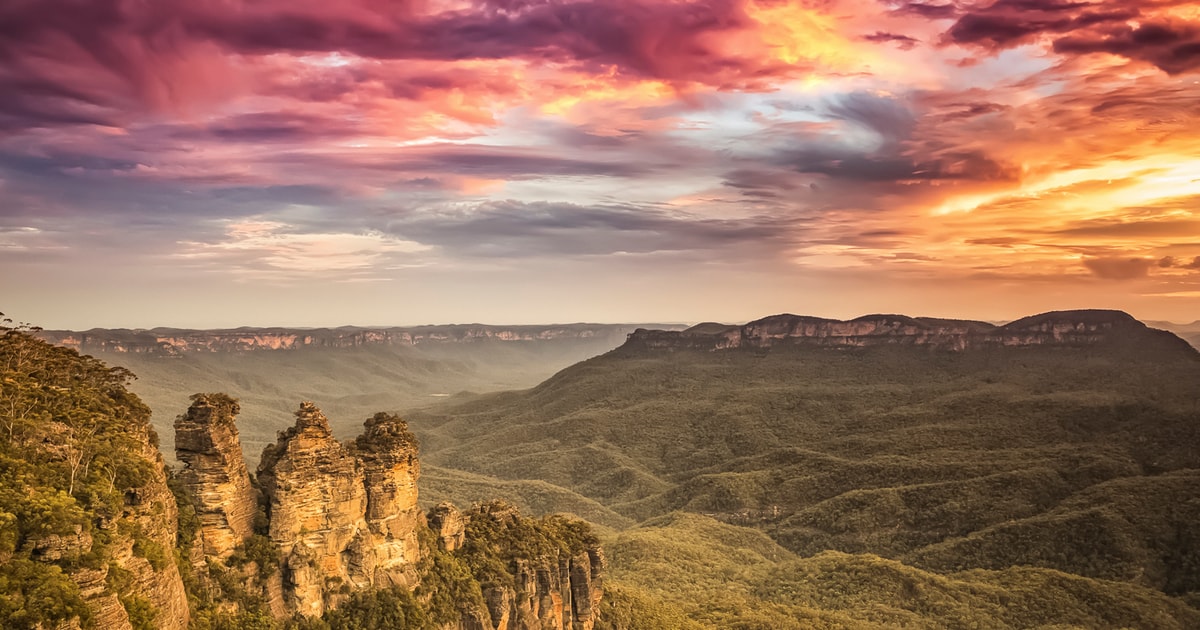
(178,341)
(353,371)
(1190,332)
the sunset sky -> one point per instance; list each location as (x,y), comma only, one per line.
(212,163)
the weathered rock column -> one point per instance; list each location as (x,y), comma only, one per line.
(316,503)
(214,472)
(388,452)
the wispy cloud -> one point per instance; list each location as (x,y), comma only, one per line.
(833,142)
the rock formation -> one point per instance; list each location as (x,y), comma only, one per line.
(1062,328)
(341,521)
(388,452)
(148,518)
(559,590)
(345,517)
(174,342)
(448,522)
(214,473)
(153,508)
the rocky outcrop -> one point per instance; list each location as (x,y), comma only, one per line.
(388,453)
(142,538)
(1062,328)
(554,592)
(344,517)
(155,577)
(559,588)
(214,473)
(449,524)
(316,505)
(175,342)
(341,519)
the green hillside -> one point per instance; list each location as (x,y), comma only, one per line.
(1078,463)
(725,576)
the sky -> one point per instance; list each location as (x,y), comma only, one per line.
(212,163)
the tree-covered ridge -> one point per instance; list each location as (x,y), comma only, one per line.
(76,459)
(1080,460)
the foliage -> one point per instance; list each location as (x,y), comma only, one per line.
(73,444)
(497,537)
(258,549)
(726,576)
(142,614)
(447,585)
(629,608)
(392,608)
(950,460)
(37,594)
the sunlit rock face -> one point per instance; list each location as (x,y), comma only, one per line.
(388,453)
(448,522)
(214,473)
(345,516)
(341,518)
(154,509)
(558,590)
(316,505)
(151,510)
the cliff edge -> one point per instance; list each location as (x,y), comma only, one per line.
(1081,328)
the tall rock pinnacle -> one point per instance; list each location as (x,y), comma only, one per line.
(214,472)
(388,452)
(338,519)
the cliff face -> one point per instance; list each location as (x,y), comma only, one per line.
(555,592)
(556,586)
(87,521)
(149,515)
(1063,328)
(214,473)
(341,521)
(388,453)
(175,342)
(152,507)
(344,517)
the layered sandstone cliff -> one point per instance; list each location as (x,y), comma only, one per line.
(556,585)
(214,473)
(344,516)
(176,342)
(1061,328)
(138,567)
(341,519)
(388,453)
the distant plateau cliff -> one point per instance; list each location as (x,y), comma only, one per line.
(1082,328)
(175,342)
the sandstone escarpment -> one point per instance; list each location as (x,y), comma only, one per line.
(154,575)
(449,524)
(139,574)
(388,453)
(1059,329)
(556,582)
(174,342)
(341,519)
(214,473)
